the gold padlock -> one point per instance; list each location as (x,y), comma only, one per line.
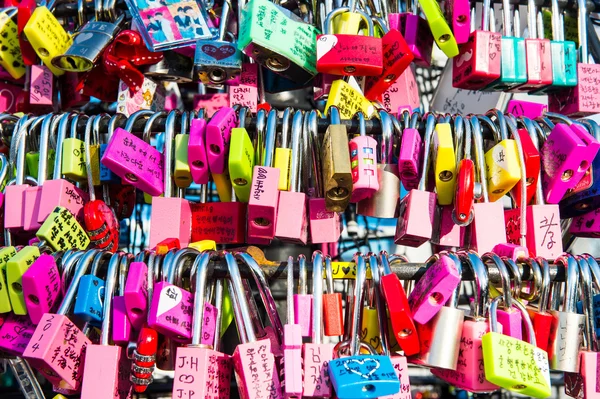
(337,172)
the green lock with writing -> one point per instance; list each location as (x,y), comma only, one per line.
(6,254)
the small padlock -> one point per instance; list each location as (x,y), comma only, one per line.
(303,302)
(15,268)
(528,139)
(6,253)
(416,32)
(136,292)
(11,58)
(61,231)
(122,325)
(197,150)
(290,372)
(363,161)
(336,172)
(89,301)
(218,138)
(42,93)
(333,323)
(241,156)
(15,334)
(283,151)
(444,161)
(348,99)
(541,318)
(182,175)
(459,13)
(246,93)
(411,150)
(442,34)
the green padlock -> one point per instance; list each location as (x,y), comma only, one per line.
(73,154)
(513,364)
(6,254)
(182,174)
(241,157)
(15,268)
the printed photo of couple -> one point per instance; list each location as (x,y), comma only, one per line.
(173,22)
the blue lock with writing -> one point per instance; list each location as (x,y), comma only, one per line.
(90,294)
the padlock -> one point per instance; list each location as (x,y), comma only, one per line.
(61,231)
(290,52)
(303,302)
(478,63)
(173,67)
(246,93)
(251,354)
(371,375)
(434,288)
(218,136)
(200,367)
(197,150)
(527,109)
(15,334)
(418,203)
(15,268)
(242,156)
(528,140)
(469,373)
(264,194)
(290,370)
(440,336)
(292,203)
(501,353)
(73,153)
(6,253)
(442,34)
(42,93)
(384,202)
(416,32)
(363,161)
(459,13)
(488,227)
(89,302)
(538,55)
(348,99)
(396,58)
(136,291)
(135,160)
(144,357)
(59,191)
(581,100)
(122,325)
(411,150)
(218,61)
(566,334)
(88,45)
(582,199)
(444,162)
(171,217)
(562,168)
(103,373)
(11,58)
(542,320)
(182,175)
(403,326)
(333,323)
(56,332)
(283,152)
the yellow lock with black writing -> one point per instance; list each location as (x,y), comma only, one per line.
(15,268)
(503,168)
(11,58)
(47,37)
(283,151)
(242,155)
(182,174)
(61,231)
(73,155)
(444,163)
(6,254)
(348,101)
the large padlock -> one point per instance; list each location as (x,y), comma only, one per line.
(289,52)
(61,231)
(369,376)
(104,372)
(56,333)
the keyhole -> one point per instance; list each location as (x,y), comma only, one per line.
(436,298)
(446,175)
(529,181)
(261,222)
(131,177)
(214,148)
(240,182)
(43,52)
(136,311)
(582,205)
(519,386)
(389,78)
(498,191)
(444,38)
(369,388)
(338,193)
(583,166)
(567,174)
(33,299)
(277,65)
(217,75)
(405,333)
(349,69)
(461,19)
(18,288)
(198,163)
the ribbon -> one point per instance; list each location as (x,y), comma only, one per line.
(124,54)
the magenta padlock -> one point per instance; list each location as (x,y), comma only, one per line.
(416,32)
(264,192)
(417,208)
(41,89)
(317,354)
(9,94)
(15,334)
(363,161)
(171,308)
(511,251)
(41,287)
(434,288)
(135,294)
(292,203)
(246,93)
(526,108)
(134,160)
(252,354)
(587,225)
(290,372)
(197,150)
(121,324)
(566,155)
(488,227)
(303,302)
(104,373)
(58,191)
(170,217)
(218,134)
(201,369)
(411,150)
(57,348)
(459,12)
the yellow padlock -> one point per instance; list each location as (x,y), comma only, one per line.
(61,231)
(182,174)
(348,23)
(503,168)
(348,100)
(10,52)
(6,254)
(73,154)
(445,163)
(283,152)
(370,328)
(47,37)
(223,185)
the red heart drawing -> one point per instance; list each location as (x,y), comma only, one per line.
(218,53)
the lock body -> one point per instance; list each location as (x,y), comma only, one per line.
(478,63)
(372,371)
(539,65)
(324,224)
(41,287)
(543,231)
(217,62)
(218,136)
(245,359)
(503,170)
(222,222)
(6,253)
(170,218)
(197,152)
(337,170)
(581,100)
(417,34)
(241,163)
(15,334)
(446,233)
(363,161)
(263,203)
(89,300)
(513,71)
(108,364)
(488,227)
(349,55)
(170,311)
(135,294)
(15,268)
(182,173)
(203,372)
(121,326)
(61,231)
(409,160)
(317,382)
(294,227)
(415,220)
(566,337)
(61,193)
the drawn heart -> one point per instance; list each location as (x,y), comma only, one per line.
(589,223)
(346,270)
(218,53)
(361,363)
(325,43)
(83,37)
(493,55)
(170,297)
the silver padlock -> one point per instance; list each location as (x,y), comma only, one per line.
(174,67)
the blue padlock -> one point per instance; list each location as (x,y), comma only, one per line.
(356,375)
(90,293)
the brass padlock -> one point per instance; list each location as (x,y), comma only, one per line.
(337,173)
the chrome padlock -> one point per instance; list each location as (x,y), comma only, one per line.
(292,203)
(363,161)
(104,371)
(369,376)
(89,301)
(252,354)
(218,138)
(218,61)
(56,332)
(171,217)
(201,369)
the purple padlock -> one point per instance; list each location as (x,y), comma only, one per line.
(15,334)
(135,295)
(41,287)
(197,150)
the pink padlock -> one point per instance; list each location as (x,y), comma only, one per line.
(303,302)
(41,287)
(290,372)
(58,191)
(264,192)
(41,89)
(527,109)
(121,324)
(170,217)
(56,333)
(587,225)
(459,12)
(218,134)
(9,94)
(134,160)
(363,161)
(103,374)
(135,294)
(411,150)
(15,334)
(246,93)
(434,288)
(197,150)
